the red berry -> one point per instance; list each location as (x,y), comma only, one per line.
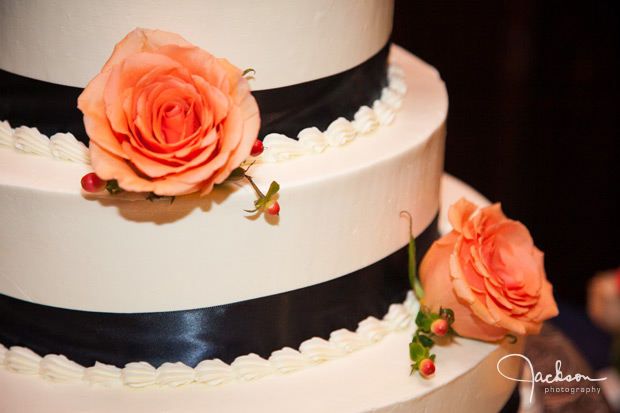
(439,327)
(272,207)
(257,148)
(92,183)
(427,367)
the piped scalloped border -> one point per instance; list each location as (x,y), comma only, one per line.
(278,147)
(312,141)
(60,369)
(62,146)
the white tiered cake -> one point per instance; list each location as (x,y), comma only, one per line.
(119,303)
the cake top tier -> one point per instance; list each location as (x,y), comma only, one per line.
(287,42)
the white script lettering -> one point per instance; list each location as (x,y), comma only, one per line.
(549,378)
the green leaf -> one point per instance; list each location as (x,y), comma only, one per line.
(419,319)
(416,351)
(273,189)
(512,337)
(426,324)
(113,188)
(447,314)
(426,341)
(236,174)
(153,196)
(246,71)
(260,202)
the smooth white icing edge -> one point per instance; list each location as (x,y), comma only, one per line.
(311,141)
(214,372)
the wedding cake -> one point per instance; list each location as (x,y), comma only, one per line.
(188,295)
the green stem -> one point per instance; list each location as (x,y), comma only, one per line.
(413,279)
(258,191)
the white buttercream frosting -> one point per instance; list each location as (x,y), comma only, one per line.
(139,374)
(103,375)
(6,134)
(365,120)
(281,148)
(58,368)
(215,372)
(313,140)
(175,374)
(3,353)
(320,350)
(340,132)
(385,113)
(278,147)
(65,146)
(348,340)
(373,328)
(22,360)
(251,367)
(30,140)
(62,146)
(289,360)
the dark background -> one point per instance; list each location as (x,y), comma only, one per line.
(533,120)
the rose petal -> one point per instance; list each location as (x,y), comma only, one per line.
(167,117)
(496,281)
(142,40)
(90,102)
(459,213)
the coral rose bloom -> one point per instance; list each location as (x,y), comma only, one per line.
(488,271)
(166,117)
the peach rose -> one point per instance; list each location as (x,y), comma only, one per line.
(488,271)
(166,117)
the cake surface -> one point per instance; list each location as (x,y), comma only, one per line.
(67,42)
(375,379)
(190,298)
(126,268)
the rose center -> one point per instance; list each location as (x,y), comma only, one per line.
(176,124)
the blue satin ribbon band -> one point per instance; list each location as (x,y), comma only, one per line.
(53,108)
(258,326)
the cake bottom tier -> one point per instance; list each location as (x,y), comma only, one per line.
(376,378)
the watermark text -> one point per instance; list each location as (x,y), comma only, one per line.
(537,377)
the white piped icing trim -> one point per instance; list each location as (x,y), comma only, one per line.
(280,148)
(215,372)
(63,146)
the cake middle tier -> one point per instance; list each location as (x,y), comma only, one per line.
(341,214)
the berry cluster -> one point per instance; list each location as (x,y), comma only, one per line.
(430,325)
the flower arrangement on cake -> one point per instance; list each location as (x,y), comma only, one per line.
(167,118)
(484,280)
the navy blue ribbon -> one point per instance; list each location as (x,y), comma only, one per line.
(52,108)
(255,326)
